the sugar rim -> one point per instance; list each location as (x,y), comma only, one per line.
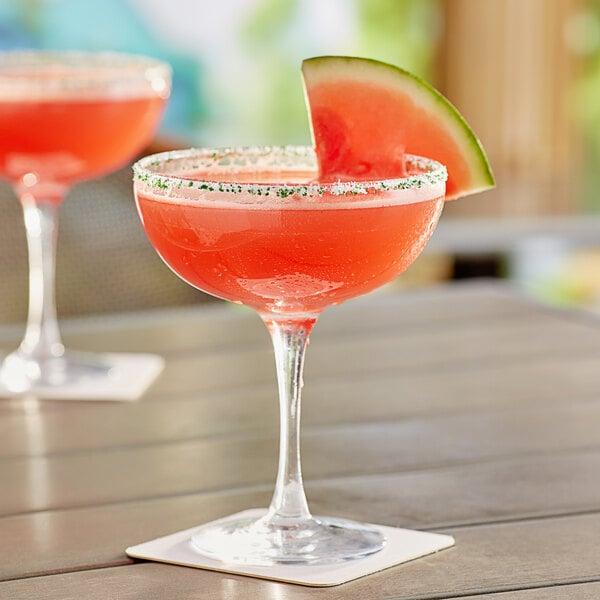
(145,171)
(120,72)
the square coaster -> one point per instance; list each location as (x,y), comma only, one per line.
(110,376)
(402,546)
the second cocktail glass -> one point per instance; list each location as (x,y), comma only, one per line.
(254,227)
(67,117)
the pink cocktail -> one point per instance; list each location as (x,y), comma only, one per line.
(66,117)
(287,258)
(254,227)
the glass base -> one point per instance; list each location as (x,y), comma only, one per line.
(317,540)
(79,376)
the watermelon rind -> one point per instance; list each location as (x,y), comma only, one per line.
(374,72)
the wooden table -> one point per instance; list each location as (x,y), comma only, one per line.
(462,409)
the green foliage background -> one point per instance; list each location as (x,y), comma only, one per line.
(586,107)
(403,32)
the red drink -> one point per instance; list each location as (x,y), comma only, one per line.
(287,256)
(56,137)
(65,140)
(67,117)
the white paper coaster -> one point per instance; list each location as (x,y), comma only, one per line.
(402,545)
(112,376)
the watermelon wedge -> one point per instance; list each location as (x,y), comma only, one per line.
(365,115)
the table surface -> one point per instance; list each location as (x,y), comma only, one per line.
(463,409)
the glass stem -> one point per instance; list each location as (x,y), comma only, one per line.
(290,338)
(42,336)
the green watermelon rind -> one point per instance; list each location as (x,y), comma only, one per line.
(328,68)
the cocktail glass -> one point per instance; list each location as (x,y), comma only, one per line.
(252,226)
(67,117)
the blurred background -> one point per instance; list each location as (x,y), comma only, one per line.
(525,74)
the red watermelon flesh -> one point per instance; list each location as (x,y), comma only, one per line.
(365,115)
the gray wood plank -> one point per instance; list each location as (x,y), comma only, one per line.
(391,350)
(148,582)
(124,474)
(337,355)
(220,329)
(225,325)
(31,428)
(486,559)
(582,591)
(503,490)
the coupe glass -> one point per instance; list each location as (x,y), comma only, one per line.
(67,117)
(253,226)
